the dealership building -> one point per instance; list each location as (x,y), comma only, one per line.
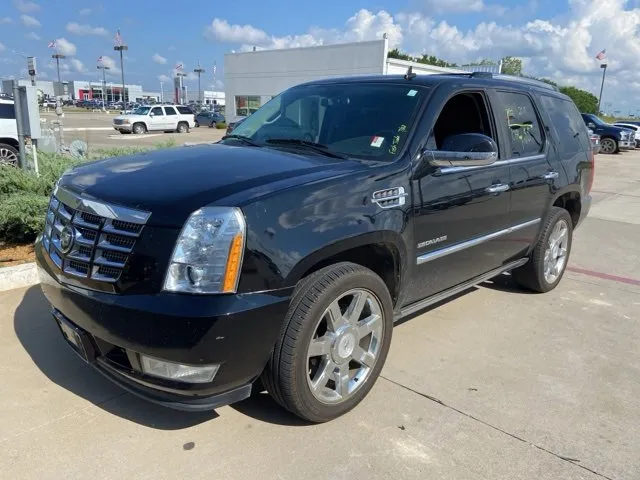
(253,78)
(83,90)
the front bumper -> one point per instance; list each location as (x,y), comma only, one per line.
(236,331)
(625,145)
(123,128)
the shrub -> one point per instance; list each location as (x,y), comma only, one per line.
(221,125)
(22,216)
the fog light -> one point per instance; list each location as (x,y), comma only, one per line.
(178,372)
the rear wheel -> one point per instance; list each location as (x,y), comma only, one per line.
(333,343)
(8,155)
(139,128)
(549,258)
(183,127)
(609,146)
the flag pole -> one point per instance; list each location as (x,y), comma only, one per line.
(604,72)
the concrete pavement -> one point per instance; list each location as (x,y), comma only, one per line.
(495,384)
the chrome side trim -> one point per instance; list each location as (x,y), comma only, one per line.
(439,297)
(113,212)
(458,247)
(499,163)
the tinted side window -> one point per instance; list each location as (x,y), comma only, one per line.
(157,111)
(7,111)
(567,123)
(170,111)
(184,110)
(521,117)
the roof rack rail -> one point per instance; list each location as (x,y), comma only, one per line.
(530,81)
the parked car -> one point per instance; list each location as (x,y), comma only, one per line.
(8,133)
(634,128)
(612,139)
(595,142)
(232,125)
(208,118)
(287,251)
(174,118)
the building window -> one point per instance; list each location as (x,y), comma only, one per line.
(246,105)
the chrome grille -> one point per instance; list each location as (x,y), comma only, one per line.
(118,121)
(103,236)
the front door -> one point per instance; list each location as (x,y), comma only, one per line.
(460,213)
(156,119)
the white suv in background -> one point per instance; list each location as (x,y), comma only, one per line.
(8,133)
(631,126)
(167,118)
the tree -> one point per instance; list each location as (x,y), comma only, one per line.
(483,62)
(586,102)
(431,60)
(395,53)
(512,66)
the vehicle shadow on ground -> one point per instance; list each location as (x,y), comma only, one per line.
(505,283)
(39,335)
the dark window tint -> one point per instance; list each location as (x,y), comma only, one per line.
(519,114)
(157,111)
(184,110)
(570,129)
(170,111)
(7,111)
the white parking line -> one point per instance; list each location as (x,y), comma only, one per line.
(135,137)
(92,129)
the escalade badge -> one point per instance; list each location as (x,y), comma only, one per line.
(67,235)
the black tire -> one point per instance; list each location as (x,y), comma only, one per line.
(532,275)
(197,125)
(183,127)
(609,145)
(213,124)
(139,128)
(8,155)
(286,374)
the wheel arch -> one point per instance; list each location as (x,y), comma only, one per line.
(571,200)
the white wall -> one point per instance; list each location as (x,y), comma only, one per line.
(266,73)
(400,67)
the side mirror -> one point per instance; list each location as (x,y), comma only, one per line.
(152,114)
(591,125)
(464,150)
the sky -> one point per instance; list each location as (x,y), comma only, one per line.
(556,39)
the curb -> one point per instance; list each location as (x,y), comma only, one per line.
(24,275)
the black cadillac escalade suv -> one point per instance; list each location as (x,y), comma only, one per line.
(286,252)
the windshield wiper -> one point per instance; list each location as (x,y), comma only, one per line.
(316,147)
(242,138)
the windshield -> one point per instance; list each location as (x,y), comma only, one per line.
(595,120)
(141,110)
(363,120)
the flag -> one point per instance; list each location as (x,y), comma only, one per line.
(118,39)
(100,59)
(52,44)
(601,55)
(179,66)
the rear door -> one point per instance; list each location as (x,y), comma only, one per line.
(534,177)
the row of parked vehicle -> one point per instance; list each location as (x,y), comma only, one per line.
(612,138)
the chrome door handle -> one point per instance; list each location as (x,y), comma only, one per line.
(550,175)
(500,187)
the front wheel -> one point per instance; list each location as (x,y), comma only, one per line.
(609,146)
(333,344)
(8,155)
(139,128)
(550,256)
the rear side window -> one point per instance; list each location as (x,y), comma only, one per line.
(567,124)
(170,111)
(157,111)
(184,110)
(520,115)
(7,111)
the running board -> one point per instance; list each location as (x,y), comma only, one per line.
(439,297)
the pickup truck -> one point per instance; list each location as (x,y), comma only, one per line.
(612,139)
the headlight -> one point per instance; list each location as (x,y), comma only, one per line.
(208,254)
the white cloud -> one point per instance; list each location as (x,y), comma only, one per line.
(454,6)
(84,12)
(159,59)
(29,21)
(77,65)
(110,63)
(26,7)
(65,47)
(164,78)
(5,20)
(221,31)
(32,36)
(84,29)
(2,47)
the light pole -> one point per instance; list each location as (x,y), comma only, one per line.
(604,72)
(181,98)
(161,92)
(121,47)
(199,70)
(58,56)
(104,68)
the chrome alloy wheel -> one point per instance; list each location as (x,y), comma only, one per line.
(607,146)
(8,157)
(555,256)
(345,346)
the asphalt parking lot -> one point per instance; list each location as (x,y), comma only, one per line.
(95,128)
(495,384)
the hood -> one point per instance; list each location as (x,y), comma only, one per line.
(172,183)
